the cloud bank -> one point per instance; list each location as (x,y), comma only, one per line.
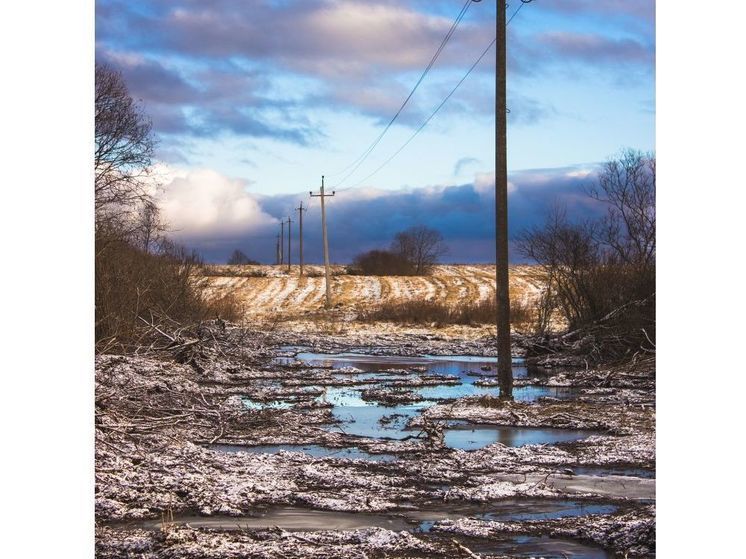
(215,214)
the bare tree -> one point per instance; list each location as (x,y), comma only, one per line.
(149,227)
(601,274)
(421,246)
(123,148)
(239,258)
(627,186)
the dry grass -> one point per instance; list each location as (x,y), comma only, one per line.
(423,311)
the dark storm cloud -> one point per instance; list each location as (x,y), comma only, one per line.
(364,219)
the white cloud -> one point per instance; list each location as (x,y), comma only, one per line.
(207,205)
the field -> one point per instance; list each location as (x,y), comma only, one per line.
(271,290)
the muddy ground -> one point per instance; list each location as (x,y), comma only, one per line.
(226,445)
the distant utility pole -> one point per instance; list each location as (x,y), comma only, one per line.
(282,242)
(300,210)
(504,358)
(289,237)
(326,241)
(277,248)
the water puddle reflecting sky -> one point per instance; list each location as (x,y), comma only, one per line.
(366,418)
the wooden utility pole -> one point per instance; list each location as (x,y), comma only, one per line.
(282,242)
(504,358)
(326,241)
(289,237)
(300,210)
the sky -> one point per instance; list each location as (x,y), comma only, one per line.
(252,101)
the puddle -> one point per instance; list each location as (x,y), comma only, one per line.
(299,519)
(613,471)
(291,519)
(513,510)
(459,365)
(373,419)
(523,393)
(544,547)
(316,451)
(472,437)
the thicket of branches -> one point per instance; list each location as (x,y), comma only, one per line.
(413,252)
(141,277)
(239,258)
(428,311)
(600,275)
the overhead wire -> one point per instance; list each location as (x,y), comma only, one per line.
(437,109)
(355,165)
(422,126)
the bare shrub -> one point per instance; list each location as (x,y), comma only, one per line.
(381,263)
(239,258)
(424,311)
(603,271)
(132,285)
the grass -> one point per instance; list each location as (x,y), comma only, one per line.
(425,311)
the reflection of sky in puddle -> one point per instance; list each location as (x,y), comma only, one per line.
(472,438)
(467,388)
(545,547)
(363,418)
(512,510)
(547,510)
(437,364)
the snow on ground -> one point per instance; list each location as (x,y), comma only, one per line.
(270,290)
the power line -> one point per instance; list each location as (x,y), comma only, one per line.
(437,109)
(413,136)
(518,9)
(359,161)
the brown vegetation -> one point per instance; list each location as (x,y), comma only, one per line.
(424,311)
(413,252)
(142,278)
(600,275)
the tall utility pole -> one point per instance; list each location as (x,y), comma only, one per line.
(504,358)
(277,248)
(289,237)
(326,241)
(282,242)
(300,210)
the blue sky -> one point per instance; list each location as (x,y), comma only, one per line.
(253,101)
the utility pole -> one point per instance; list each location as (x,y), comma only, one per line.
(282,241)
(289,237)
(300,210)
(504,358)
(277,249)
(326,241)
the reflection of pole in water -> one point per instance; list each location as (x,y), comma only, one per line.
(506,437)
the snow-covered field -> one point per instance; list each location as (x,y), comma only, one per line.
(271,290)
